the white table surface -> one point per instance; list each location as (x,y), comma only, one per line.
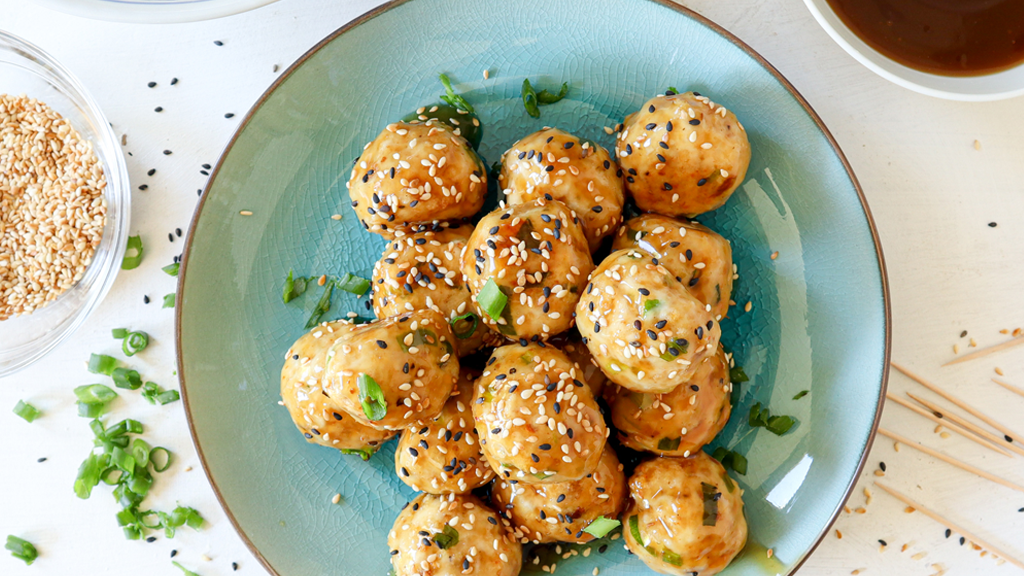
(932,194)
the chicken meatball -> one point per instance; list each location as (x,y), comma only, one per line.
(555,165)
(528,264)
(449,536)
(682,154)
(393,373)
(680,422)
(685,516)
(694,253)
(416,173)
(561,512)
(422,270)
(316,415)
(570,343)
(646,331)
(443,456)
(537,420)
(462,122)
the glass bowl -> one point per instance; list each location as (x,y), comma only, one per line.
(153,11)
(25,69)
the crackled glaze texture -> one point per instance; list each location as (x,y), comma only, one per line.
(817,318)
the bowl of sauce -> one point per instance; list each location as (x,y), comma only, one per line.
(971,50)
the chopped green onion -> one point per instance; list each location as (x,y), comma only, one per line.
(465,333)
(95,394)
(730,459)
(363,453)
(375,406)
(90,410)
(322,306)
(293,287)
(132,262)
(125,378)
(157,467)
(761,418)
(447,538)
(601,526)
(167,397)
(134,342)
(530,99)
(634,530)
(492,300)
(119,333)
(671,557)
(102,364)
(673,89)
(452,98)
(801,394)
(353,284)
(669,443)
(22,549)
(140,451)
(185,570)
(88,476)
(168,301)
(172,269)
(122,460)
(736,374)
(544,97)
(779,425)
(711,496)
(26,411)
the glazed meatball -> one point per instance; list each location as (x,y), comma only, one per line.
(537,419)
(555,165)
(685,516)
(422,270)
(452,535)
(694,253)
(682,154)
(393,373)
(537,256)
(560,512)
(443,456)
(645,330)
(462,122)
(680,422)
(316,415)
(416,173)
(573,346)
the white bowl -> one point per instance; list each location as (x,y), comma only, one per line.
(1005,84)
(153,11)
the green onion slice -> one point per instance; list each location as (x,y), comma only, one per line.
(166,457)
(140,451)
(492,300)
(736,374)
(634,529)
(363,453)
(168,301)
(530,99)
(126,378)
(26,411)
(90,410)
(88,476)
(185,570)
(293,287)
(172,269)
(465,333)
(375,406)
(669,443)
(95,394)
(354,284)
(133,261)
(22,549)
(711,496)
(167,397)
(119,333)
(102,364)
(601,526)
(671,557)
(545,97)
(452,98)
(322,305)
(801,394)
(447,538)
(134,342)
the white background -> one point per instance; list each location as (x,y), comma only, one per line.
(932,194)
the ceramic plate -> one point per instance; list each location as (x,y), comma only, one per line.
(153,11)
(819,316)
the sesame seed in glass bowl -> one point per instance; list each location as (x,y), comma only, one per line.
(62,237)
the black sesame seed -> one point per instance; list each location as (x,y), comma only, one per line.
(143,186)
(602,549)
(151,539)
(948,532)
(43,459)
(535,458)
(549,168)
(702,181)
(962,540)
(415,453)
(543,515)
(307,435)
(382,344)
(174,553)
(145,299)
(882,542)
(568,145)
(597,327)
(151,172)
(644,291)
(218,43)
(424,444)
(229,115)
(545,446)
(694,122)
(663,145)
(597,209)
(167,152)
(607,164)
(151,84)
(158,109)
(495,430)
(661,324)
(650,108)
(651,126)
(992,224)
(493,230)
(652,334)
(700,332)
(1008,438)
(170,237)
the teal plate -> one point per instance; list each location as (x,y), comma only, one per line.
(820,313)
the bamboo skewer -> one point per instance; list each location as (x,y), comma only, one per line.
(948,424)
(935,516)
(986,351)
(950,460)
(945,414)
(957,401)
(1009,386)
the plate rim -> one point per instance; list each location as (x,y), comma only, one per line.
(369,15)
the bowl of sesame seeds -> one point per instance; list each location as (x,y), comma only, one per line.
(64,204)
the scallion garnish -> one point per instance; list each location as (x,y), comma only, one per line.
(634,529)
(95,394)
(801,394)
(736,374)
(462,335)
(90,410)
(669,443)
(452,98)
(119,333)
(353,284)
(165,458)
(26,411)
(375,405)
(533,99)
(293,287)
(133,261)
(730,459)
(22,549)
(185,570)
(172,269)
(447,538)
(156,395)
(492,300)
(711,496)
(671,557)
(102,364)
(134,342)
(322,305)
(761,418)
(601,526)
(126,378)
(363,453)
(168,301)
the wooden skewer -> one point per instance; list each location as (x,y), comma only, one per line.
(987,351)
(950,460)
(954,427)
(945,414)
(957,401)
(1009,386)
(950,525)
